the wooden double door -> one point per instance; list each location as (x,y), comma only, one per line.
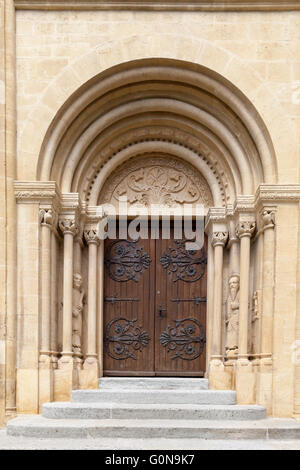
(154,308)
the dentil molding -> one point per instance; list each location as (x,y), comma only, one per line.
(181,5)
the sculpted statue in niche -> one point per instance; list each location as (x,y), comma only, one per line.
(78,296)
(232,316)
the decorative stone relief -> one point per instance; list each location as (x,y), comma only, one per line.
(232,316)
(245,228)
(219,238)
(68,225)
(268,218)
(157,180)
(78,296)
(91,236)
(256,313)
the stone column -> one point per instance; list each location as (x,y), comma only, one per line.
(68,228)
(54,301)
(100,295)
(217,376)
(245,377)
(66,376)
(264,388)
(91,362)
(210,300)
(45,366)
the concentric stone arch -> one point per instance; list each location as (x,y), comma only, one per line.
(187,109)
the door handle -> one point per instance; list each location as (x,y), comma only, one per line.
(160,311)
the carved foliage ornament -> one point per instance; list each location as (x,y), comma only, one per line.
(156,180)
(91,236)
(219,238)
(245,228)
(68,226)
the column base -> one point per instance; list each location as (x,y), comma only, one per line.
(65,380)
(46,384)
(245,382)
(88,377)
(220,378)
(28,391)
(264,384)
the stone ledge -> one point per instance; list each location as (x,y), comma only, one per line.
(156,5)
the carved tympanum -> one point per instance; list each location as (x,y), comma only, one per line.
(156,180)
(232,316)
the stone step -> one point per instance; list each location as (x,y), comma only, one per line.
(200,397)
(40,427)
(65,410)
(157,383)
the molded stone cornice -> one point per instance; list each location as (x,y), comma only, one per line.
(275,193)
(182,5)
(43,192)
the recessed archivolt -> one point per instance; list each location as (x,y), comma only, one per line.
(165,140)
(209,122)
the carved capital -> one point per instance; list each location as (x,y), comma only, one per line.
(219,238)
(267,218)
(91,236)
(68,225)
(245,228)
(48,218)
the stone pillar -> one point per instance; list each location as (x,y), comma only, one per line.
(264,385)
(45,365)
(210,300)
(54,301)
(245,376)
(8,208)
(218,378)
(28,298)
(91,366)
(100,296)
(66,375)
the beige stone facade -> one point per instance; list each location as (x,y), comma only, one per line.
(87,88)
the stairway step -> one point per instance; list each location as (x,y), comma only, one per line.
(157,383)
(201,397)
(65,410)
(40,427)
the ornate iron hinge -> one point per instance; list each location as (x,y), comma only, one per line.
(114,299)
(196,300)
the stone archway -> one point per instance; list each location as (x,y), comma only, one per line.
(163,108)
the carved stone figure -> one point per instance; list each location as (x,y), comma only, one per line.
(78,296)
(232,316)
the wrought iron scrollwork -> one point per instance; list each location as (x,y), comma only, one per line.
(187,266)
(123,338)
(114,299)
(186,339)
(125,260)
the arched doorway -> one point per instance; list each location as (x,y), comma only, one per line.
(170,110)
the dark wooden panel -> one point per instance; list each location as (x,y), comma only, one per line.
(180,330)
(129,306)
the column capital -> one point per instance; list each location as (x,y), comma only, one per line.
(48,218)
(245,228)
(219,238)
(91,236)
(68,225)
(267,218)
